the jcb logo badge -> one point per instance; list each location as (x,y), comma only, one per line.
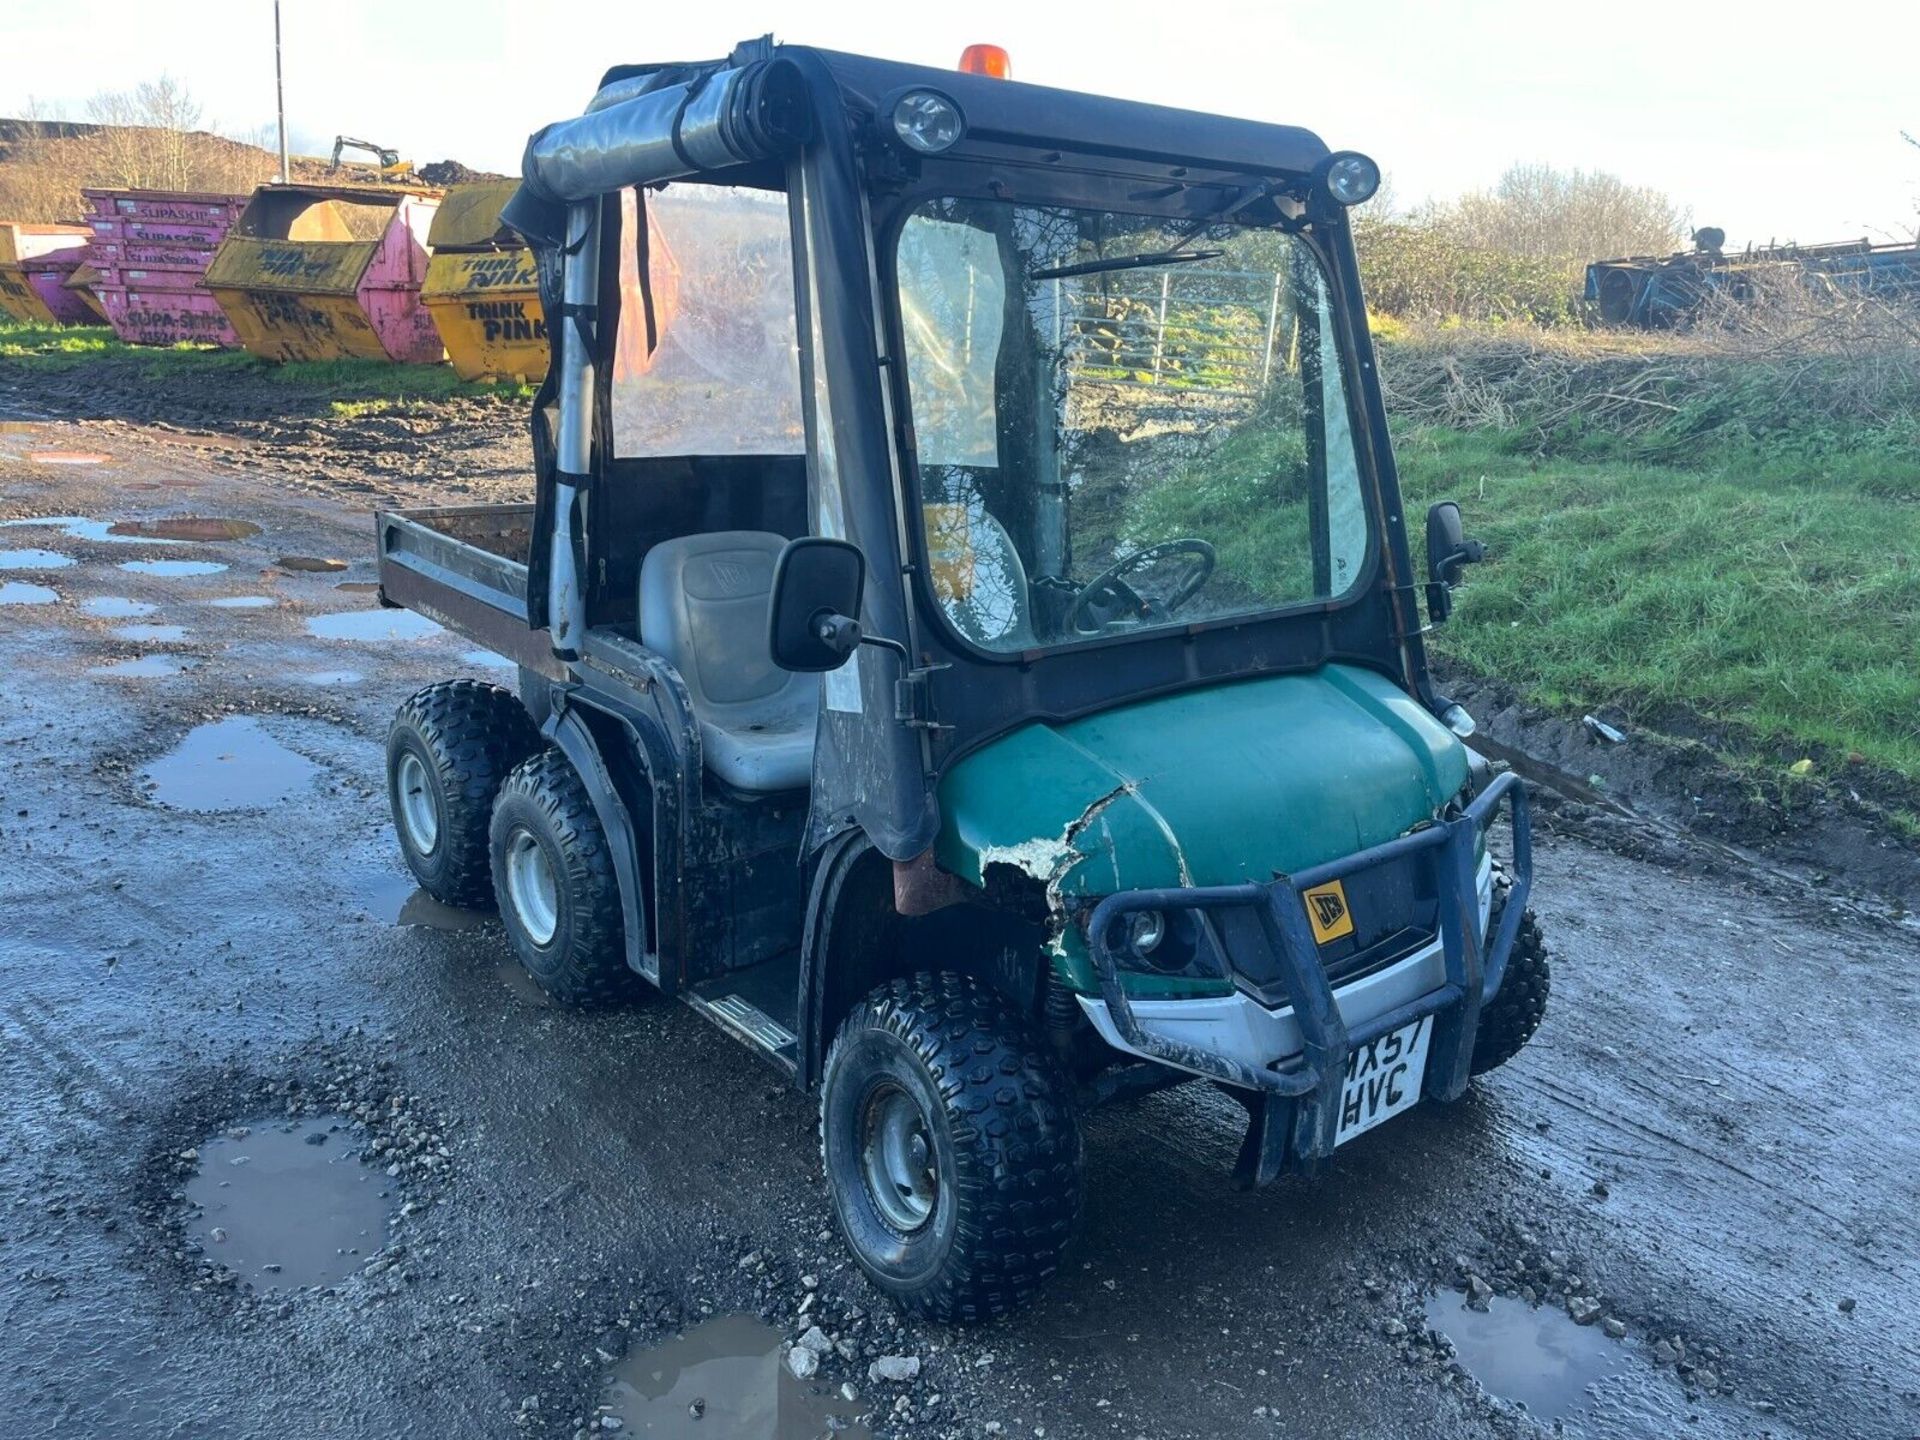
(1327,910)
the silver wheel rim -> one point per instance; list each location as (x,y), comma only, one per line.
(531,889)
(418,813)
(897,1159)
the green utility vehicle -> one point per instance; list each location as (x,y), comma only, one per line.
(968,639)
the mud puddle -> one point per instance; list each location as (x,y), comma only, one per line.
(372,625)
(358,587)
(726,1377)
(21,592)
(488,660)
(174,568)
(151,634)
(398,900)
(230,764)
(34,560)
(116,607)
(1532,1355)
(80,527)
(287,1205)
(184,527)
(142,667)
(311,564)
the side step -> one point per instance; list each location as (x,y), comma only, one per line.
(725,1001)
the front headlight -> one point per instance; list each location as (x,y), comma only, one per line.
(1172,943)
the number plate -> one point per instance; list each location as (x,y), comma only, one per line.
(1383,1078)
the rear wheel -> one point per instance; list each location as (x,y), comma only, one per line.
(1508,1021)
(559,894)
(448,750)
(951,1149)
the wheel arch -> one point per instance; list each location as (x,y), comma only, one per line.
(568,729)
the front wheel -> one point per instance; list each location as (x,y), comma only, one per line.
(1508,1021)
(951,1150)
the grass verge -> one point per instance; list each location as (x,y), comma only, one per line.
(1774,592)
(353,387)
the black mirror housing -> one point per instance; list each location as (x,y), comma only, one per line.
(1449,552)
(813,623)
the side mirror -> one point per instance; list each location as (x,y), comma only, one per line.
(1449,552)
(813,623)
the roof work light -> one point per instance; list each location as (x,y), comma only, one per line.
(986,60)
(1349,177)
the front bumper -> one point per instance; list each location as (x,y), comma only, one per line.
(1287,1068)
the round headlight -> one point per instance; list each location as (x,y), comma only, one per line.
(927,121)
(1351,178)
(1145,930)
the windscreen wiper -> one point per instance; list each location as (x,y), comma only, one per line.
(1175,256)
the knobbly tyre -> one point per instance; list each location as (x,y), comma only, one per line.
(968,639)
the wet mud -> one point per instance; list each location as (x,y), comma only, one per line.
(184,527)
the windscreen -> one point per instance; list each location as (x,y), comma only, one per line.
(1123,423)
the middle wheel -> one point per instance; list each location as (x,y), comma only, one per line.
(554,877)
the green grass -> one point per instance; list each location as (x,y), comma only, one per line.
(1773,585)
(353,387)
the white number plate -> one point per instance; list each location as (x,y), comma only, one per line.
(1383,1078)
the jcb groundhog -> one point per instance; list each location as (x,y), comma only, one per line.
(968,639)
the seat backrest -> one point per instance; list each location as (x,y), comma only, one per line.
(703,606)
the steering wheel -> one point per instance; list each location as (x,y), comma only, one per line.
(1110,586)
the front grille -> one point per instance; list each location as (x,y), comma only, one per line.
(1395,910)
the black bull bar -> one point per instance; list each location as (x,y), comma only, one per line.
(1295,1110)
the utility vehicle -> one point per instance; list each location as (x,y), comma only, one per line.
(968,641)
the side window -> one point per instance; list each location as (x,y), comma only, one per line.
(723,374)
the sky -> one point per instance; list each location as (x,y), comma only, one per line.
(1771,128)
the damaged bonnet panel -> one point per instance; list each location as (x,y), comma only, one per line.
(1239,782)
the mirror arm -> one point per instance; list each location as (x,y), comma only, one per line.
(882,642)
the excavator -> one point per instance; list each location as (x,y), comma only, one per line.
(389,163)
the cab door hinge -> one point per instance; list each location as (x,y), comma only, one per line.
(913,702)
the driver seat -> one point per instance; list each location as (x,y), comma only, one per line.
(703,608)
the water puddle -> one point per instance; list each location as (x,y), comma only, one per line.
(372,625)
(243,602)
(230,764)
(151,634)
(489,660)
(331,677)
(1532,1355)
(184,527)
(67,457)
(398,900)
(726,1377)
(80,527)
(284,1205)
(311,564)
(143,667)
(19,592)
(34,560)
(116,607)
(173,567)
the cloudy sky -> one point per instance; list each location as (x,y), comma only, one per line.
(1770,128)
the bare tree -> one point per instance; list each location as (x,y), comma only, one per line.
(1564,215)
(148,134)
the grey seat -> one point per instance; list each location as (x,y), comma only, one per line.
(703,606)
